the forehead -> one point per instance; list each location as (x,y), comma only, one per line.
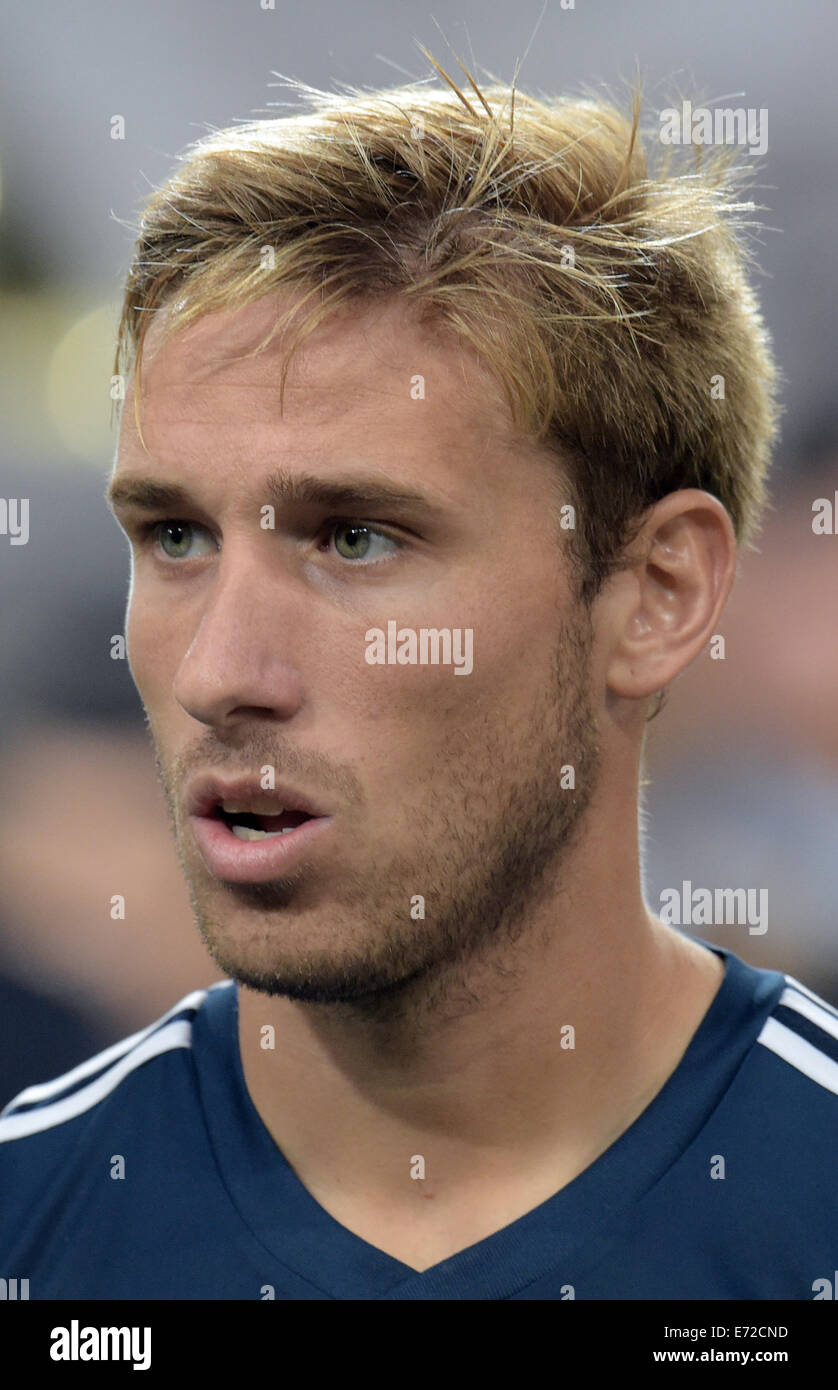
(371,373)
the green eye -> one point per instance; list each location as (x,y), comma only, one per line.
(359,542)
(176,538)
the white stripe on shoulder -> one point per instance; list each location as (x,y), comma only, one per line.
(815,998)
(817,1013)
(177,1034)
(798,1053)
(44,1089)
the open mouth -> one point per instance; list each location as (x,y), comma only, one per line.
(247,833)
(246,825)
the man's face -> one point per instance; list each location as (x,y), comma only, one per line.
(441,809)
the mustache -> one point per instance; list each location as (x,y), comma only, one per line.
(254,752)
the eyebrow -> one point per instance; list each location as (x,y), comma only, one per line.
(282,489)
(143,493)
(288,489)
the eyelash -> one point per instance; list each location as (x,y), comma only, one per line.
(148,535)
(350,523)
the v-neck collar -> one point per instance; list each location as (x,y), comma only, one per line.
(300,1234)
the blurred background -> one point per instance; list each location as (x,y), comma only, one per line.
(743,760)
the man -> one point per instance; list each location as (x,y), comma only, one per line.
(443,420)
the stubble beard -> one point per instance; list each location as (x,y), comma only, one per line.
(487,851)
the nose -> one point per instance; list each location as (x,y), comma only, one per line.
(237,665)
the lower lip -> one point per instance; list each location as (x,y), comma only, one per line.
(253,861)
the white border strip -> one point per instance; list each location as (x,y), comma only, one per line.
(798,1053)
(45,1089)
(815,1012)
(178,1034)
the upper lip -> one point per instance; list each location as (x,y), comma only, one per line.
(205,792)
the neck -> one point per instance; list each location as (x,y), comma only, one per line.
(541,1054)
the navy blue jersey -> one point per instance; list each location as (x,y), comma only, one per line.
(147,1173)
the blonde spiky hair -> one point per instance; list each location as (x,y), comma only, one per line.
(605,299)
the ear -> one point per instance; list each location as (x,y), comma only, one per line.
(664,607)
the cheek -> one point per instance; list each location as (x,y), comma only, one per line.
(402,719)
(152,649)
(497,673)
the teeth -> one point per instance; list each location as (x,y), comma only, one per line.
(244,832)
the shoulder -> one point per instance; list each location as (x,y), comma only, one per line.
(801,1031)
(762,1167)
(55,1110)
